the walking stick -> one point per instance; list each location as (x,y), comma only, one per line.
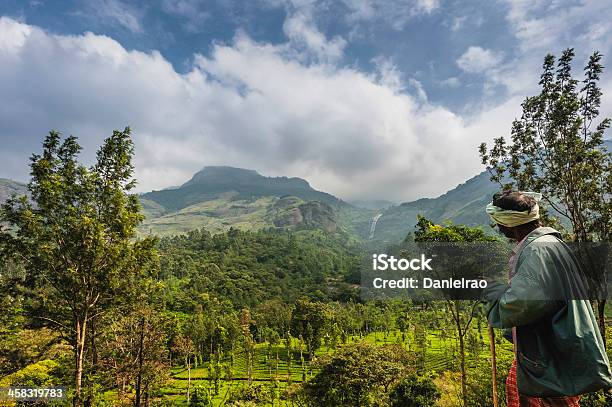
(493,365)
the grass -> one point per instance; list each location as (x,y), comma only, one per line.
(215,215)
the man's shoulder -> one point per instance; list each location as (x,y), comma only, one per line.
(543,232)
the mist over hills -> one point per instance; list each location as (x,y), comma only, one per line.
(219,197)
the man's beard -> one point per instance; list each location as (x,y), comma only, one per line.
(508,232)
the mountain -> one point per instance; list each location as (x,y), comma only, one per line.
(212,182)
(9,188)
(218,198)
(463,204)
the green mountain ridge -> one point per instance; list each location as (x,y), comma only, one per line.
(218,198)
(229,210)
(9,188)
(463,204)
(210,182)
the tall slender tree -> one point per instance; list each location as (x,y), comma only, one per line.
(557,148)
(76,235)
(463,312)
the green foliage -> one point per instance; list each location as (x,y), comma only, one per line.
(76,236)
(557,148)
(200,397)
(248,268)
(308,321)
(254,393)
(23,347)
(594,400)
(39,374)
(133,350)
(358,375)
(414,391)
(463,312)
(427,231)
(272,319)
(479,380)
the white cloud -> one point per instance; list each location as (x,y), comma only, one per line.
(418,87)
(479,60)
(549,26)
(247,104)
(452,82)
(397,13)
(193,11)
(545,24)
(12,36)
(114,12)
(388,74)
(458,23)
(427,6)
(302,31)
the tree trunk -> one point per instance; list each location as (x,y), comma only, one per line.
(94,357)
(188,379)
(139,378)
(81,326)
(461,333)
(463,374)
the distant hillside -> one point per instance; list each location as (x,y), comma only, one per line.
(212,182)
(218,198)
(9,188)
(229,210)
(463,204)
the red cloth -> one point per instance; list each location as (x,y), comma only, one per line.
(514,399)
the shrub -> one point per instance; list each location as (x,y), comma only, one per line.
(414,391)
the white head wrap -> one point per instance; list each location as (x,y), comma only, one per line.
(510,218)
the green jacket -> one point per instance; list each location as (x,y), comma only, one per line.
(559,348)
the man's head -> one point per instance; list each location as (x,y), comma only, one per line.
(515,213)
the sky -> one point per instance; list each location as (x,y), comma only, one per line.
(366,99)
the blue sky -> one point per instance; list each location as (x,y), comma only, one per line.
(367,99)
(424,42)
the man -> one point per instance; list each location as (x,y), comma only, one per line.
(559,352)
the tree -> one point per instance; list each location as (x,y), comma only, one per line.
(557,149)
(358,375)
(462,311)
(184,347)
(134,352)
(309,320)
(414,391)
(272,318)
(248,343)
(76,235)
